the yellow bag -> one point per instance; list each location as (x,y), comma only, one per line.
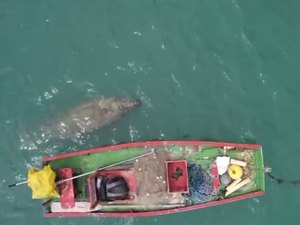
(42,183)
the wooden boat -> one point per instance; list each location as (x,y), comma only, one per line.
(154,177)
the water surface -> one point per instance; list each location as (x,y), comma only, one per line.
(212,70)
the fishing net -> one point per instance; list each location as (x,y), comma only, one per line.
(201,185)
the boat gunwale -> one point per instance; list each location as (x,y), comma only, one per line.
(147,143)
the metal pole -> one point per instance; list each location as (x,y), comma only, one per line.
(103,168)
(17,184)
(87,173)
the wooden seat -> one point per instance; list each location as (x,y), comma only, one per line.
(66,189)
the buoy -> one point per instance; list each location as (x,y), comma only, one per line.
(235,172)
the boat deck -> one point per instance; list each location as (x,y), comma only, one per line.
(152,192)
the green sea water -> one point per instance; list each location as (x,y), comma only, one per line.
(222,70)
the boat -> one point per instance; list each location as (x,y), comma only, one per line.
(149,178)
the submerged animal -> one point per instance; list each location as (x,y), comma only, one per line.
(90,116)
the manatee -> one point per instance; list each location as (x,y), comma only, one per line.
(90,116)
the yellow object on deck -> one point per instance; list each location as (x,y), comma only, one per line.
(42,183)
(235,172)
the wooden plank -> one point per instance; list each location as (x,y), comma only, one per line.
(238,162)
(81,207)
(230,186)
(238,186)
(78,207)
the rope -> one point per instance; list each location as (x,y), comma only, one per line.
(283,181)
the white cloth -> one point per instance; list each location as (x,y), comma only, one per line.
(222,164)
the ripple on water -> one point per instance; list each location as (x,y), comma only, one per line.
(144,97)
(134,133)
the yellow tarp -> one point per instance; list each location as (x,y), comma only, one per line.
(42,183)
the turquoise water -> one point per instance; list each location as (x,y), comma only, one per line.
(223,70)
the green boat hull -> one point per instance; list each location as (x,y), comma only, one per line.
(148,201)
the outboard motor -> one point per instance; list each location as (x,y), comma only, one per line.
(112,188)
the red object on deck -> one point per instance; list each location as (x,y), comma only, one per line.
(91,181)
(216,183)
(66,189)
(177,176)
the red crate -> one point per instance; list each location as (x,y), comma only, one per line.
(177,176)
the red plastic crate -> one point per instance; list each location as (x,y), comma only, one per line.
(177,176)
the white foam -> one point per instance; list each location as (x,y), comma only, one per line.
(134,133)
(120,68)
(137,33)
